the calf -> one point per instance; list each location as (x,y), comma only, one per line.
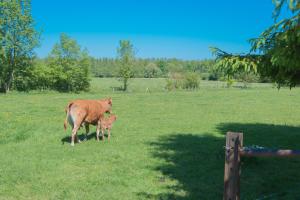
(86,112)
(106,124)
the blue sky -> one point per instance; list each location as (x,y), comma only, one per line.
(157,28)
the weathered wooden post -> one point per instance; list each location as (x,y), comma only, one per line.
(234,142)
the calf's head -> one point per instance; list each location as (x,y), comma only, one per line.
(113,117)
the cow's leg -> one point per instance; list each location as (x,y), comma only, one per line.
(102,128)
(74,134)
(98,131)
(87,130)
(78,119)
(77,138)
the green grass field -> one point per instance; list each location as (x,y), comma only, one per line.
(164,145)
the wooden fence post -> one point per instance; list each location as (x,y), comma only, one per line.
(234,141)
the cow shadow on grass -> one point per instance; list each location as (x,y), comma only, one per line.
(67,139)
(192,165)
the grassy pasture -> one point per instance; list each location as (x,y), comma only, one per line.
(164,145)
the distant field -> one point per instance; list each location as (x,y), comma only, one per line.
(158,85)
(164,145)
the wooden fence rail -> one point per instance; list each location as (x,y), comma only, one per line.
(270,153)
(233,151)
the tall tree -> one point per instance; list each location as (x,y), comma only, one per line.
(275,54)
(126,55)
(70,65)
(18,38)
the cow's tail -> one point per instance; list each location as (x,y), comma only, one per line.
(67,110)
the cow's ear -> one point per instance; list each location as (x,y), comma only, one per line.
(109,100)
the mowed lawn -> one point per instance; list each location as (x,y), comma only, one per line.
(164,145)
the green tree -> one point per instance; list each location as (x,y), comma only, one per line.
(70,65)
(274,54)
(174,67)
(162,64)
(18,38)
(152,70)
(126,55)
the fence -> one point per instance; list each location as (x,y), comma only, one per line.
(233,151)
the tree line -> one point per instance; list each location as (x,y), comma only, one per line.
(151,67)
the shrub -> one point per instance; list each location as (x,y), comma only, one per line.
(36,77)
(213,77)
(205,76)
(186,81)
(152,71)
(169,85)
(191,81)
(175,81)
(74,79)
(229,82)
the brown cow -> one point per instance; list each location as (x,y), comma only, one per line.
(85,112)
(106,124)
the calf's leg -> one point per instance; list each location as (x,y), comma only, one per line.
(102,131)
(108,132)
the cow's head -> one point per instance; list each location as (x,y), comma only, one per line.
(108,105)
